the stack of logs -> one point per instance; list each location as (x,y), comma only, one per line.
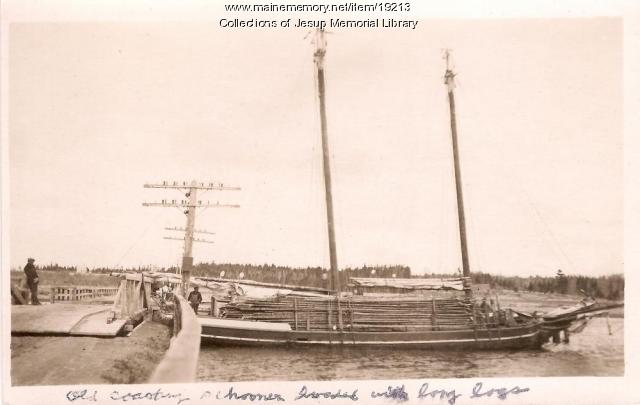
(356,313)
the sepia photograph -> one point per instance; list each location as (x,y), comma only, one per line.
(324,192)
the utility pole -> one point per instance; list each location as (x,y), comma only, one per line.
(190,190)
(449,82)
(175,228)
(195,240)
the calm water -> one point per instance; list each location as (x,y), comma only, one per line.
(591,353)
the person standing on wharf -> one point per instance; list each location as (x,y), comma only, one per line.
(195,298)
(32,280)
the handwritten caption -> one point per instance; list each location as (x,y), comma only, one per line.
(426,392)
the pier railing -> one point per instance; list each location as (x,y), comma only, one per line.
(181,360)
(65,293)
(75,293)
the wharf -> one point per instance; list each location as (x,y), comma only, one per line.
(72,319)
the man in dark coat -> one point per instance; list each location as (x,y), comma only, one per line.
(32,280)
(195,298)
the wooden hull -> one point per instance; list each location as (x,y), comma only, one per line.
(529,336)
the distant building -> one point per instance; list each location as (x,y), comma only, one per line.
(420,286)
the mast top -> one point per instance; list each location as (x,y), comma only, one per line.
(321,48)
(449,75)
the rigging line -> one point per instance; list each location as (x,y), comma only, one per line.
(521,192)
(311,160)
(444,230)
(524,197)
(548,229)
(475,246)
(316,126)
(144,232)
(442,234)
(440,230)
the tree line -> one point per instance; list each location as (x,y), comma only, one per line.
(608,287)
(308,276)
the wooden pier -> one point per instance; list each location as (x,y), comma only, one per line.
(72,319)
(80,310)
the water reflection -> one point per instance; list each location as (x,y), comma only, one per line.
(593,352)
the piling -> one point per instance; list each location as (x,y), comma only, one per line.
(213,311)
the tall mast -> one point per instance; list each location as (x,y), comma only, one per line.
(448,80)
(319,61)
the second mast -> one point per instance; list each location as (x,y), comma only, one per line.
(319,62)
(449,81)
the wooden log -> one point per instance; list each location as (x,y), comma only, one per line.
(351,318)
(397,313)
(339,309)
(295,314)
(434,321)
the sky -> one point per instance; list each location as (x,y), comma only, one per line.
(98,109)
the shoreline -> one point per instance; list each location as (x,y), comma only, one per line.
(529,301)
